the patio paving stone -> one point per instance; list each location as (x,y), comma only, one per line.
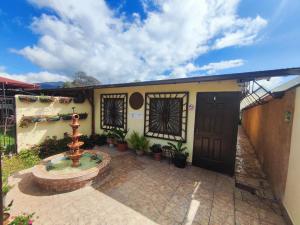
(140,190)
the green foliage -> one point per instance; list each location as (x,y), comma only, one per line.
(120,134)
(7,142)
(7,208)
(88,142)
(98,139)
(25,159)
(156,148)
(138,142)
(52,146)
(24,219)
(5,188)
(111,134)
(178,148)
(29,157)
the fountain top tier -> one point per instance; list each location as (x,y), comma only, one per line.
(75,152)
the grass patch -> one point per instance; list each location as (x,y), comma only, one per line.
(25,159)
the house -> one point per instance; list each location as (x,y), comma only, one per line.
(203,112)
(164,110)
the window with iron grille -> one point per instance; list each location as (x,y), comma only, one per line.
(166,115)
(114,111)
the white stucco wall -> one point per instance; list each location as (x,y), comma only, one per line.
(35,133)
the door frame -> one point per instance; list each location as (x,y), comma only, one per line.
(235,131)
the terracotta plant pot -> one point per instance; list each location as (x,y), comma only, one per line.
(6,218)
(122,146)
(157,156)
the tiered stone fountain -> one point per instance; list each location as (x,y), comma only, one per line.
(75,151)
(73,169)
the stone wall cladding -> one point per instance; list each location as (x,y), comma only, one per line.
(71,181)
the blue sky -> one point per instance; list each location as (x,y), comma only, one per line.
(119,49)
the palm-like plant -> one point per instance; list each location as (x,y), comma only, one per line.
(178,148)
(143,143)
(120,134)
(138,142)
(134,140)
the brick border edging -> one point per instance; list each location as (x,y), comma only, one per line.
(72,181)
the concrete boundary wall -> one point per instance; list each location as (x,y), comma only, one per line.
(291,199)
(269,131)
(35,133)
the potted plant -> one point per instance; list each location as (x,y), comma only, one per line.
(25,121)
(180,154)
(143,145)
(110,139)
(82,116)
(27,98)
(38,119)
(65,100)
(6,214)
(66,116)
(53,118)
(139,143)
(156,150)
(46,99)
(121,142)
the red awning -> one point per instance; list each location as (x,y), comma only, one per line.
(10,83)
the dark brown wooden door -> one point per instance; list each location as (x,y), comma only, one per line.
(216,124)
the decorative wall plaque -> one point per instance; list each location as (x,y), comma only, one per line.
(136,100)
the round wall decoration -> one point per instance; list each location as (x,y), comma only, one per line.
(136,100)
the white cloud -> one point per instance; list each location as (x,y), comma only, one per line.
(222,65)
(87,36)
(38,77)
(211,68)
(274,82)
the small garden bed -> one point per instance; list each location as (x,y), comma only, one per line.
(46,99)
(27,98)
(65,100)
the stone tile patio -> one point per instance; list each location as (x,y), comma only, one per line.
(142,191)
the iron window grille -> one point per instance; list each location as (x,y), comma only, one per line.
(113,111)
(166,115)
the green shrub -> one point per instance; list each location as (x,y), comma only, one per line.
(52,146)
(24,219)
(5,188)
(98,139)
(88,143)
(29,157)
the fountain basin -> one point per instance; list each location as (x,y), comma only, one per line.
(56,174)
